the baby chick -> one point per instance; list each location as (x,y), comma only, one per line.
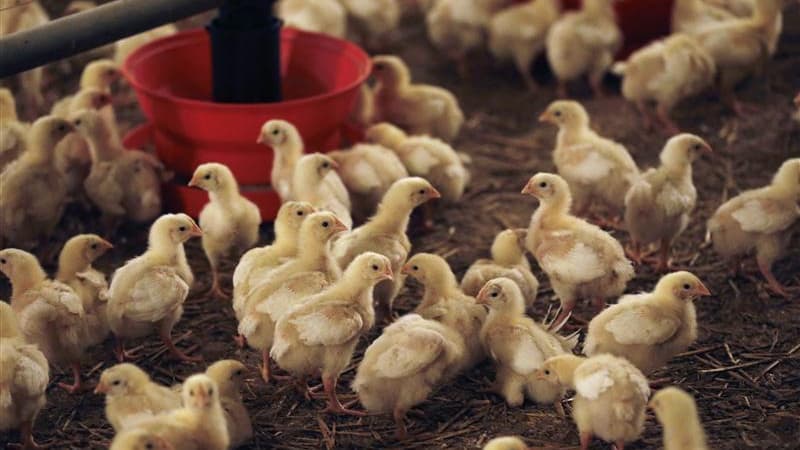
(584,42)
(659,204)
(126,46)
(50,313)
(24,375)
(580,259)
(18,16)
(373,20)
(666,72)
(122,183)
(745,8)
(417,108)
(425,157)
(315,181)
(131,396)
(760,221)
(649,329)
(33,192)
(320,335)
(229,376)
(287,148)
(13,133)
(97,75)
(506,443)
(508,260)
(148,292)
(457,28)
(368,171)
(519,32)
(692,16)
(385,233)
(610,396)
(312,270)
(596,168)
(321,16)
(400,369)
(519,346)
(257,262)
(677,413)
(740,47)
(229,221)
(76,271)
(444,302)
(139,439)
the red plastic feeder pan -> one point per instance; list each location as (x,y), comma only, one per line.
(172,79)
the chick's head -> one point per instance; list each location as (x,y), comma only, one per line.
(788,176)
(430,270)
(174,228)
(16,264)
(200,392)
(506,443)
(547,187)
(560,369)
(385,134)
(673,405)
(277,133)
(682,285)
(390,70)
(90,98)
(229,375)
(509,246)
(320,227)
(683,149)
(100,74)
(88,122)
(9,327)
(122,379)
(140,439)
(371,267)
(48,131)
(409,193)
(213,177)
(565,113)
(85,248)
(8,107)
(502,294)
(315,167)
(291,215)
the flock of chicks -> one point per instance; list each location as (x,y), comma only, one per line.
(305,301)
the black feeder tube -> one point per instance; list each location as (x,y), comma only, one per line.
(245,53)
(99,26)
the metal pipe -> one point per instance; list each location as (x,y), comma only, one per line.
(77,33)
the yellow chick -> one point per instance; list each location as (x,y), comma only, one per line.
(760,221)
(660,203)
(18,16)
(519,33)
(139,439)
(666,72)
(373,21)
(287,148)
(131,396)
(426,157)
(692,16)
(148,292)
(584,43)
(33,192)
(122,183)
(745,8)
(417,108)
(457,28)
(508,261)
(610,396)
(24,375)
(229,376)
(677,413)
(321,16)
(50,314)
(76,271)
(596,168)
(579,258)
(519,346)
(126,46)
(740,47)
(13,133)
(313,269)
(320,335)
(385,233)
(99,74)
(368,171)
(315,181)
(412,357)
(506,443)
(444,302)
(649,329)
(229,221)
(258,262)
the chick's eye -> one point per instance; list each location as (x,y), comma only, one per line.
(422,191)
(543,184)
(210,391)
(299,213)
(325,165)
(325,224)
(182,229)
(686,287)
(557,113)
(94,246)
(415,267)
(77,121)
(2,260)
(191,393)
(208,176)
(149,446)
(116,383)
(494,294)
(238,373)
(375,267)
(276,132)
(547,372)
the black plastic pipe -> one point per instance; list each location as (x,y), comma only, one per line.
(99,26)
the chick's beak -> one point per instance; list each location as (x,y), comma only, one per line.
(406,270)
(101,388)
(707,148)
(702,290)
(529,189)
(195,231)
(338,226)
(433,193)
(387,274)
(105,244)
(540,375)
(545,117)
(334,165)
(261,139)
(483,296)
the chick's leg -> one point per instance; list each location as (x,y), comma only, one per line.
(76,384)
(772,282)
(120,353)
(586,438)
(176,352)
(400,432)
(334,406)
(662,111)
(620,445)
(566,311)
(26,436)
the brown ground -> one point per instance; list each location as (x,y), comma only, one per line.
(744,370)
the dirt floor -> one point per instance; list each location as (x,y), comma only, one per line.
(744,370)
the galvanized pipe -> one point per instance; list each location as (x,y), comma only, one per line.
(77,33)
